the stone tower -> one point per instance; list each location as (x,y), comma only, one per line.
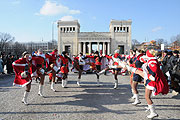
(120,35)
(68,36)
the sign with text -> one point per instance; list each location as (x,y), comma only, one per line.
(162,46)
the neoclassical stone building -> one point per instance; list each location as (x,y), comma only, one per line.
(72,40)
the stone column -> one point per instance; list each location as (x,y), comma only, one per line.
(103,52)
(97,46)
(108,48)
(80,47)
(84,47)
(125,29)
(90,47)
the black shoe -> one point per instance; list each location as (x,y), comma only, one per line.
(97,75)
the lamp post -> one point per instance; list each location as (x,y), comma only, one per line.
(53,29)
(53,32)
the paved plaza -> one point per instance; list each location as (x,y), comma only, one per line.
(87,102)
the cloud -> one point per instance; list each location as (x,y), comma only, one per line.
(74,12)
(16,2)
(156,29)
(52,8)
(67,18)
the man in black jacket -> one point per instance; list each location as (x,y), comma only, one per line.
(165,61)
(174,75)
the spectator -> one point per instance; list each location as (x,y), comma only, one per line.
(175,77)
(9,64)
(1,65)
(166,63)
(4,60)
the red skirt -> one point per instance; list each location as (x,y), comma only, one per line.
(158,86)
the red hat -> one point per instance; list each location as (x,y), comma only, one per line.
(151,53)
(53,52)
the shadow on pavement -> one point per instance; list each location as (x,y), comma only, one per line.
(96,98)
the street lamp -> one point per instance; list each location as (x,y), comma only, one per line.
(54,22)
(53,30)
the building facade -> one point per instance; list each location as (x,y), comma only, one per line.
(45,46)
(72,40)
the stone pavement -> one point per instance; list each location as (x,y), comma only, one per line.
(87,102)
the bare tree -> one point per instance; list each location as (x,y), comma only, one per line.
(134,43)
(5,39)
(160,41)
(18,48)
(165,43)
(173,39)
(178,39)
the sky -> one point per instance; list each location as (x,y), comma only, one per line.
(32,20)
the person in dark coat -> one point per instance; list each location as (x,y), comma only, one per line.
(9,64)
(165,62)
(4,61)
(174,76)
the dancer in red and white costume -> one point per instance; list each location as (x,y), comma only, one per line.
(139,61)
(97,58)
(76,67)
(154,79)
(39,60)
(80,65)
(116,60)
(52,66)
(23,71)
(130,62)
(64,69)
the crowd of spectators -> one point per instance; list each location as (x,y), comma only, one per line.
(6,61)
(170,62)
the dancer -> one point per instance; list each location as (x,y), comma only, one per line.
(59,74)
(154,79)
(64,69)
(39,60)
(79,64)
(139,61)
(130,62)
(98,64)
(52,66)
(116,60)
(23,70)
